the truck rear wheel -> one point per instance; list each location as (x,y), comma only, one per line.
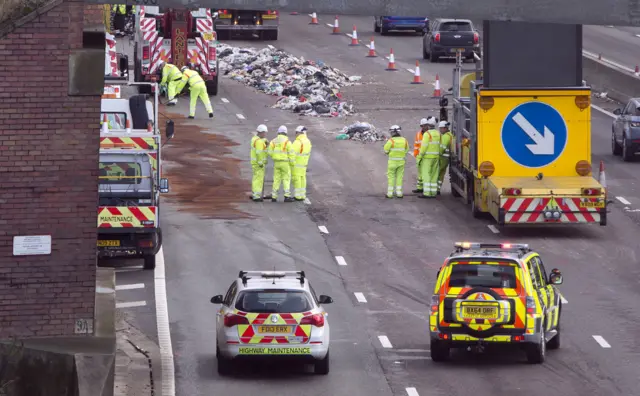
(150,262)
(212,86)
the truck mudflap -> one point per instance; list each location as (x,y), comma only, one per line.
(127,217)
(552,209)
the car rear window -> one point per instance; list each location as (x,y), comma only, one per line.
(456,27)
(273,301)
(483,275)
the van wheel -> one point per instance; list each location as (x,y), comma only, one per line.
(433,58)
(322,366)
(536,353)
(376,28)
(627,155)
(439,351)
(150,262)
(615,147)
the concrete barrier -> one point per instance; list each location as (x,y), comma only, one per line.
(619,82)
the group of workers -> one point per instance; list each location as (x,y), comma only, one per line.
(431,148)
(290,161)
(121,13)
(174,80)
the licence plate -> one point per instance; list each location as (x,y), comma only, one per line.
(480,312)
(224,16)
(590,204)
(274,329)
(456,49)
(269,16)
(108,243)
(274,351)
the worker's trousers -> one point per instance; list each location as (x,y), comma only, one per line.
(199,91)
(172,89)
(430,169)
(444,163)
(299,178)
(395,174)
(419,182)
(257,181)
(281,174)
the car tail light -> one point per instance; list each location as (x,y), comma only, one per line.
(315,319)
(212,53)
(476,38)
(591,191)
(435,303)
(145,52)
(443,336)
(231,320)
(505,246)
(272,12)
(511,191)
(225,12)
(437,38)
(145,244)
(518,338)
(531,305)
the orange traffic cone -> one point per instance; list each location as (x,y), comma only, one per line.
(105,124)
(128,126)
(354,37)
(416,75)
(314,19)
(436,91)
(336,26)
(372,49)
(392,62)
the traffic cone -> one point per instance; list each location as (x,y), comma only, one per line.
(637,69)
(336,26)
(416,75)
(128,126)
(105,125)
(354,37)
(392,62)
(602,179)
(314,19)
(436,91)
(372,49)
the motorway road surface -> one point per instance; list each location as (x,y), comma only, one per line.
(392,249)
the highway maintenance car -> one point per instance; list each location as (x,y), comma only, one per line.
(272,314)
(495,294)
(524,155)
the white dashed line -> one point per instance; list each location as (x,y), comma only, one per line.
(130,287)
(410,71)
(131,304)
(623,201)
(360,297)
(225,100)
(384,341)
(323,229)
(341,260)
(412,392)
(306,201)
(603,111)
(493,229)
(164,333)
(330,25)
(240,116)
(564,300)
(600,340)
(637,35)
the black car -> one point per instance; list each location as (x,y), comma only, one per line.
(446,36)
(625,131)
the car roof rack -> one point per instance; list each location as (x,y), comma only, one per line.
(246,275)
(521,248)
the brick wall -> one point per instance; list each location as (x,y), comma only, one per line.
(48,176)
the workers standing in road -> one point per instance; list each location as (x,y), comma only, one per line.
(416,150)
(171,77)
(396,149)
(429,159)
(197,89)
(445,151)
(258,162)
(119,18)
(281,152)
(302,151)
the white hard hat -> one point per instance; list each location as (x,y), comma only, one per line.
(301,129)
(443,124)
(423,121)
(395,128)
(183,68)
(282,129)
(261,128)
(431,121)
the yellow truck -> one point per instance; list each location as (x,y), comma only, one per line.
(524,155)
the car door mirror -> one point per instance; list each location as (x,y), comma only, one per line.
(325,299)
(555,278)
(617,112)
(217,299)
(164,185)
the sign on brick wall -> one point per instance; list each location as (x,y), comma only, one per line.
(31,245)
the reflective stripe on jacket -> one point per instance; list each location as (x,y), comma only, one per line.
(396,148)
(258,151)
(280,149)
(302,151)
(430,147)
(170,72)
(445,144)
(417,143)
(191,77)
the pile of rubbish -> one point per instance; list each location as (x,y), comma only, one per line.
(361,131)
(305,87)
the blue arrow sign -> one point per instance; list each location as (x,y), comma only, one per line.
(534,134)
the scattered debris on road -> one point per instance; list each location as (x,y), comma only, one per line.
(361,131)
(305,87)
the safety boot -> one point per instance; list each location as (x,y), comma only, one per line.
(289,199)
(191,117)
(417,191)
(210,115)
(299,199)
(389,196)
(274,199)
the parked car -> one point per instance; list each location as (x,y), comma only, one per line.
(625,131)
(444,37)
(384,24)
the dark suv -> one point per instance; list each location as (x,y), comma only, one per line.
(446,36)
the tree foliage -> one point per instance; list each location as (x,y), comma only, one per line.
(16,9)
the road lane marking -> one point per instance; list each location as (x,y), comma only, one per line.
(130,269)
(330,25)
(306,201)
(164,332)
(623,200)
(130,287)
(271,47)
(131,304)
(603,111)
(360,297)
(600,340)
(341,260)
(412,392)
(225,100)
(564,300)
(384,341)
(412,350)
(240,116)
(493,229)
(323,229)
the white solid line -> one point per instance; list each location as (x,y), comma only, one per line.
(412,392)
(323,229)
(131,304)
(306,200)
(130,287)
(360,297)
(493,229)
(600,340)
(623,200)
(164,333)
(330,25)
(240,116)
(637,35)
(225,100)
(411,71)
(603,111)
(349,34)
(384,341)
(341,260)
(564,300)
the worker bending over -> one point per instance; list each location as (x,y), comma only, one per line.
(171,78)
(302,152)
(429,160)
(281,152)
(396,149)
(416,150)
(258,162)
(197,89)
(445,151)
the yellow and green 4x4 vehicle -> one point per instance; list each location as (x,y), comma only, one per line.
(495,294)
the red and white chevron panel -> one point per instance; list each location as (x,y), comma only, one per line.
(147,24)
(160,53)
(204,25)
(141,12)
(531,210)
(113,58)
(151,35)
(203,50)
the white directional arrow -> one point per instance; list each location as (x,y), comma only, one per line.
(544,145)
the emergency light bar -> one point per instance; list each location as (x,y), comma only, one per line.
(245,275)
(503,246)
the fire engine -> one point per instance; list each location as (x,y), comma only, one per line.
(178,36)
